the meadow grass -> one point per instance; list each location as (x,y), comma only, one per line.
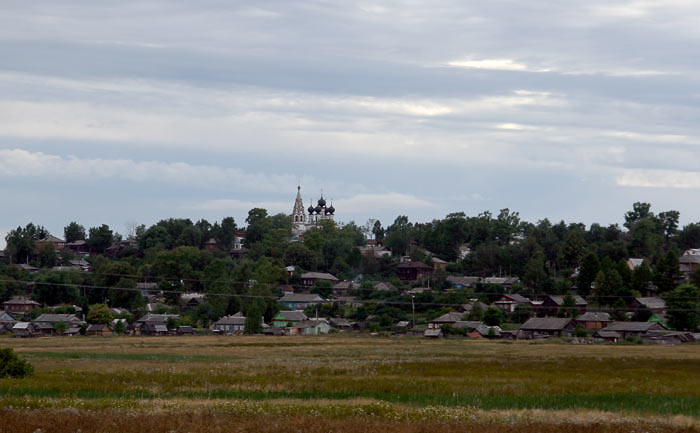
(126,372)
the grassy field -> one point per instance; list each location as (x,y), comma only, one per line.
(348,384)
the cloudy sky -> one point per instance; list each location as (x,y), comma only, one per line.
(132,111)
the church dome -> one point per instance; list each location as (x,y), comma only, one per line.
(330,210)
(311,209)
(319,209)
(321,202)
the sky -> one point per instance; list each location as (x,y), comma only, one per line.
(129,112)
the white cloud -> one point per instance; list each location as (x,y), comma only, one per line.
(22,163)
(352,205)
(392,201)
(654,178)
(495,65)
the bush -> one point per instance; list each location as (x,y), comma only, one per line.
(12,366)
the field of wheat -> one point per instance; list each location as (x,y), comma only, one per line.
(347,384)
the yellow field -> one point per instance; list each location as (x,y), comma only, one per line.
(344,383)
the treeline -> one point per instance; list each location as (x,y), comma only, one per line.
(178,256)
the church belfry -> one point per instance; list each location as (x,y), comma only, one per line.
(302,222)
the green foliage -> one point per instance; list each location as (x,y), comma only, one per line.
(20,242)
(99,313)
(521,313)
(683,304)
(74,232)
(568,307)
(120,327)
(57,287)
(580,331)
(253,322)
(493,316)
(100,238)
(323,288)
(12,366)
(47,255)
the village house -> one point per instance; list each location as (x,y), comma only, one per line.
(284,319)
(58,244)
(230,325)
(689,261)
(446,319)
(23,329)
(593,320)
(342,324)
(546,326)
(50,319)
(509,302)
(376,251)
(634,329)
(654,304)
(385,287)
(468,307)
(634,263)
(301,301)
(99,329)
(506,282)
(553,303)
(461,282)
(308,279)
(414,270)
(350,301)
(309,327)
(79,247)
(342,288)
(20,305)
(438,264)
(609,336)
(28,268)
(184,330)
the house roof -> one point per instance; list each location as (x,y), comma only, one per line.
(309,323)
(435,332)
(594,316)
(607,334)
(450,317)
(20,300)
(341,322)
(291,316)
(437,260)
(467,324)
(652,303)
(384,286)
(301,297)
(51,238)
(631,326)
(21,325)
(231,320)
(319,276)
(157,318)
(343,285)
(51,318)
(635,263)
(160,328)
(517,298)
(501,280)
(97,327)
(545,324)
(559,299)
(686,258)
(414,265)
(463,281)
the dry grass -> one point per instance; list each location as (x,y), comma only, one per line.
(348,384)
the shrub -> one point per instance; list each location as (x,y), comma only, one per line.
(12,366)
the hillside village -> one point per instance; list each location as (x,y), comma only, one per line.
(485,276)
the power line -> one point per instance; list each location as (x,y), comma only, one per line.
(357,301)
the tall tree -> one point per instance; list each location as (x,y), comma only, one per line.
(100,238)
(74,232)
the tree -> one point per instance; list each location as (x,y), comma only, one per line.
(587,274)
(74,232)
(155,236)
(521,313)
(568,307)
(683,307)
(253,321)
(20,242)
(493,316)
(639,211)
(12,366)
(47,255)
(225,234)
(119,327)
(476,312)
(100,238)
(99,313)
(323,288)
(378,231)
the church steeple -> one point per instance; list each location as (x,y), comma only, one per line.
(298,214)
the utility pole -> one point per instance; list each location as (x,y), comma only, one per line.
(413,307)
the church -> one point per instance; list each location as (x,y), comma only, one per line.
(301,222)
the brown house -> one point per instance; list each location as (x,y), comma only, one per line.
(308,279)
(593,320)
(552,304)
(20,305)
(98,329)
(509,302)
(634,329)
(414,270)
(546,326)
